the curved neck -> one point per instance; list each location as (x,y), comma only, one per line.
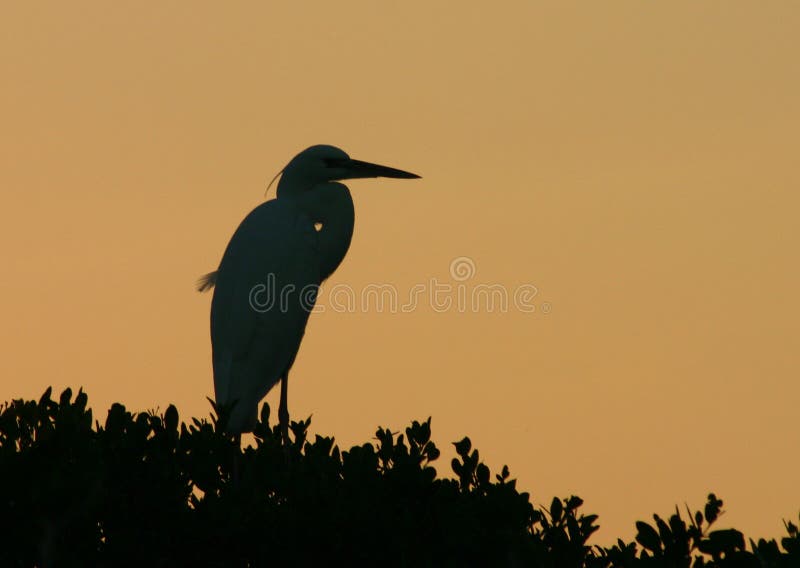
(331,205)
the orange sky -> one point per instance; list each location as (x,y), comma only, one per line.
(635,161)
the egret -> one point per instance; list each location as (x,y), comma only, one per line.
(267,281)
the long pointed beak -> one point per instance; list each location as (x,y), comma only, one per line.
(358,169)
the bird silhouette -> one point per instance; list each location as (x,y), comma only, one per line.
(267,281)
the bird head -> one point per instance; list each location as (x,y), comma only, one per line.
(323,163)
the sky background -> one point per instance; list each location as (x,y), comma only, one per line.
(634,161)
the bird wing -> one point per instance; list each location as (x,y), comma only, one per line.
(258,313)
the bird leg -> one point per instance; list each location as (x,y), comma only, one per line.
(283,409)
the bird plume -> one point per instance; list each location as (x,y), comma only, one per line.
(206,282)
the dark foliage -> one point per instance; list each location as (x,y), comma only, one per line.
(146,490)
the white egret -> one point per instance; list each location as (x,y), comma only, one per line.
(267,280)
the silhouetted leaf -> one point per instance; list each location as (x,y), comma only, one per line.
(45,398)
(65,397)
(171,418)
(648,537)
(463,447)
(556,509)
(712,509)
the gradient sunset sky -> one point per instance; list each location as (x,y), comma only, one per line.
(635,162)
